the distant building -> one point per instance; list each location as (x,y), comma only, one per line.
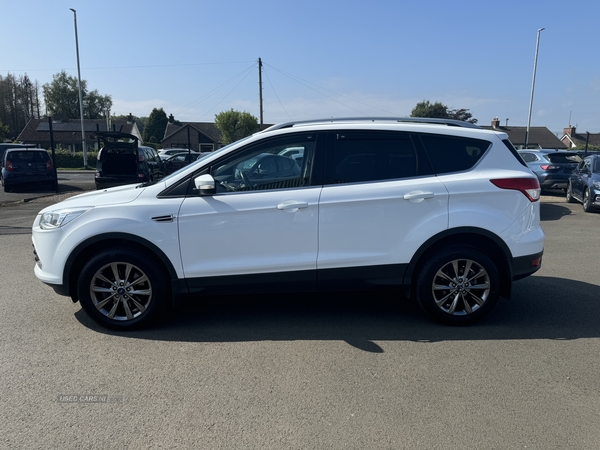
(67,133)
(197,136)
(539,137)
(572,139)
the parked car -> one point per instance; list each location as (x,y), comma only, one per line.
(584,183)
(121,160)
(552,167)
(166,153)
(27,168)
(444,211)
(6,145)
(179,160)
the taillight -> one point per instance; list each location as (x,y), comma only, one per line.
(140,158)
(529,187)
(9,166)
(49,164)
(549,167)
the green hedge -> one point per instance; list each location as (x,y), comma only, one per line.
(66,159)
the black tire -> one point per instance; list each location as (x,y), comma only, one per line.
(445,289)
(587,201)
(105,289)
(569,194)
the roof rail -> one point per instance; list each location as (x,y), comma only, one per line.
(424,120)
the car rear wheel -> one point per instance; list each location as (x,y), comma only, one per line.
(569,195)
(122,290)
(458,285)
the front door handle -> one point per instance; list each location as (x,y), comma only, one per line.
(418,196)
(291,204)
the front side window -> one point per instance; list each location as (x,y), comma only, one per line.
(268,165)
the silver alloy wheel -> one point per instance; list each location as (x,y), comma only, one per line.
(461,287)
(121,291)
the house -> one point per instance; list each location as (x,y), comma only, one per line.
(572,139)
(539,137)
(198,136)
(67,133)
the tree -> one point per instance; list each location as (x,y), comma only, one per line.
(155,127)
(440,111)
(19,102)
(62,98)
(235,125)
(3,131)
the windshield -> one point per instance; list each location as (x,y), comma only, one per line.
(596,168)
(202,158)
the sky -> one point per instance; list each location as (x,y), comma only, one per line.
(321,59)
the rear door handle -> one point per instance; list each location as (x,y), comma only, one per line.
(417,196)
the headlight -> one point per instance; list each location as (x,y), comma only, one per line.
(597,184)
(60,217)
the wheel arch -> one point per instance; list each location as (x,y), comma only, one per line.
(93,245)
(490,244)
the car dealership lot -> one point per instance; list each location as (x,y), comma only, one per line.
(308,371)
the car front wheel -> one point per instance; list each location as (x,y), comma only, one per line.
(587,201)
(458,286)
(569,195)
(122,290)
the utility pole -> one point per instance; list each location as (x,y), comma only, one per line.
(537,46)
(260,97)
(80,93)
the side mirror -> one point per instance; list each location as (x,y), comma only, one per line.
(205,185)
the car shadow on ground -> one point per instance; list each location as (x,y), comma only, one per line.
(541,308)
(551,211)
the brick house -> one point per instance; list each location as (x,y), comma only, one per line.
(539,137)
(572,139)
(199,136)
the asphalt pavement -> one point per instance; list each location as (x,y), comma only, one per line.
(68,181)
(328,371)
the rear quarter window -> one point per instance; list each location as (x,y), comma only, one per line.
(453,154)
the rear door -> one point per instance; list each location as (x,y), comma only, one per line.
(380,202)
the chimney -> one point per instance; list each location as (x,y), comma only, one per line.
(130,118)
(495,123)
(569,131)
(171,118)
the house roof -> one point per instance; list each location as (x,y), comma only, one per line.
(69,131)
(540,136)
(580,139)
(209,129)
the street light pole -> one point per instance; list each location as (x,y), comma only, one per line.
(80,92)
(537,46)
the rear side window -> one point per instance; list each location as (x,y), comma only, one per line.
(453,154)
(360,157)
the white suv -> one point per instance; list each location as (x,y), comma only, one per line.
(444,209)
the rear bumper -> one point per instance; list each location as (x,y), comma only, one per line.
(523,266)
